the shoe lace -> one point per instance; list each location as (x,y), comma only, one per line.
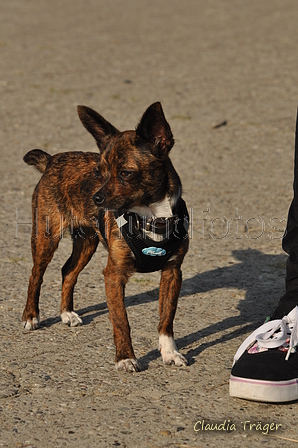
(274,334)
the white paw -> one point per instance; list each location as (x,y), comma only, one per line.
(129,365)
(31,324)
(71,318)
(169,351)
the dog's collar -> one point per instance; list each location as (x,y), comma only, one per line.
(159,226)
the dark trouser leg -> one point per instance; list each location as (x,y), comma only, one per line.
(290,245)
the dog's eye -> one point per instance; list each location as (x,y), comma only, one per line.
(125,173)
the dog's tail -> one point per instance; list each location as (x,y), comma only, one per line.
(37,158)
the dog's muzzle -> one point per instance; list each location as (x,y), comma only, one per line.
(98,198)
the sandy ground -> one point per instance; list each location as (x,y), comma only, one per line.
(207,62)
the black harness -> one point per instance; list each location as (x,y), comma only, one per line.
(151,255)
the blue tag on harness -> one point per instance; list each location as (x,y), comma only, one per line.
(154,251)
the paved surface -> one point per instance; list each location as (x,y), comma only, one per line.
(207,62)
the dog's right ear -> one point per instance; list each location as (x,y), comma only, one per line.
(96,124)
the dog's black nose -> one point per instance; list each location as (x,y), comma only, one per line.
(98,198)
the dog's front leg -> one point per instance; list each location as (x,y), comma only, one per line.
(170,285)
(115,287)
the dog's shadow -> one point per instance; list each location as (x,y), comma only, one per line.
(247,274)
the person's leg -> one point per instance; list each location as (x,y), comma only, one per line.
(290,246)
(290,298)
(265,366)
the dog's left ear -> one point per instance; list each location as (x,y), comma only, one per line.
(96,124)
(155,129)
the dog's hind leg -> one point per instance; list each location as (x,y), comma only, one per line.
(170,284)
(85,242)
(43,249)
(47,229)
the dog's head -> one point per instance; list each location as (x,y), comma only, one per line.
(135,169)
